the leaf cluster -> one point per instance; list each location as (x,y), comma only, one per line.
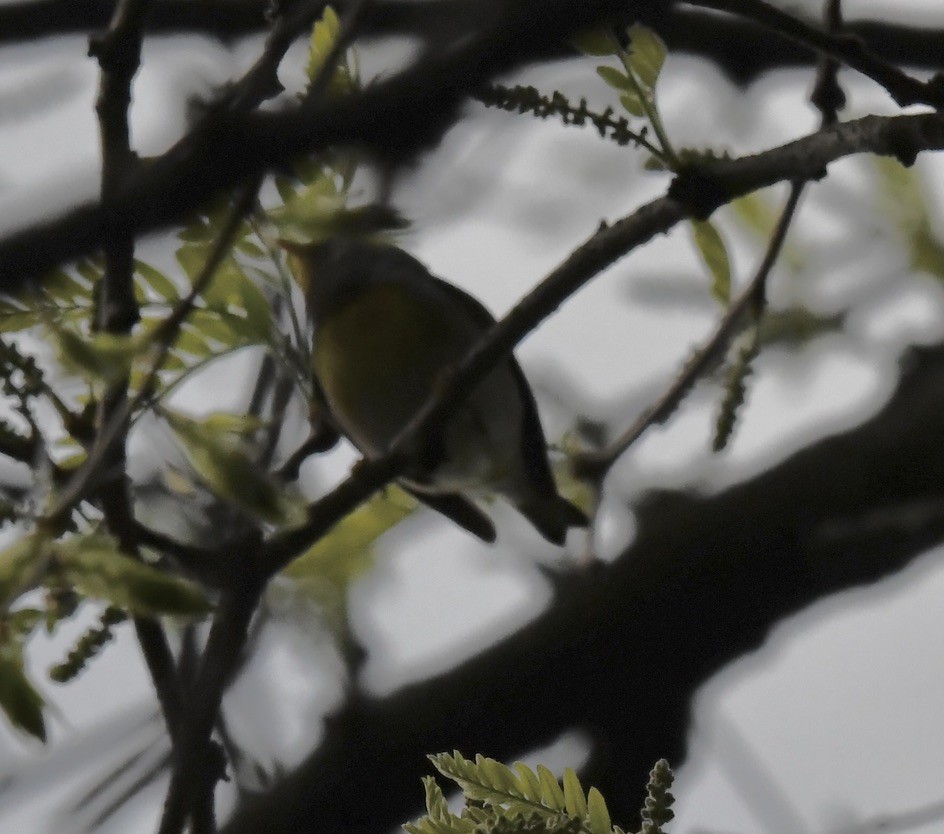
(185,324)
(82,566)
(520,800)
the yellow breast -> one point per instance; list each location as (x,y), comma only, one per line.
(379,357)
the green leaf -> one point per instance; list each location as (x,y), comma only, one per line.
(633,105)
(309,214)
(436,805)
(238,425)
(347,550)
(14,319)
(528,779)
(905,202)
(499,775)
(191,258)
(756,213)
(574,799)
(63,287)
(253,250)
(598,816)
(224,464)
(324,35)
(597,42)
(327,569)
(286,188)
(223,291)
(715,255)
(216,326)
(20,565)
(616,79)
(18,699)
(647,55)
(96,566)
(258,310)
(552,795)
(103,357)
(157,282)
(68,453)
(192,343)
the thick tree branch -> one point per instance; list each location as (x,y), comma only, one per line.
(742,49)
(396,119)
(745,50)
(621,651)
(840,46)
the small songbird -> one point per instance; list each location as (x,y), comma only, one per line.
(386,333)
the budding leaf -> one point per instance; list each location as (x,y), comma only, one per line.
(95,565)
(222,460)
(20,702)
(647,55)
(715,255)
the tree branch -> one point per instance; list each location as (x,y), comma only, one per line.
(711,187)
(842,47)
(828,97)
(595,465)
(703,583)
(740,48)
(395,119)
(119,53)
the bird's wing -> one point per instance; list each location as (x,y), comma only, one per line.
(533,443)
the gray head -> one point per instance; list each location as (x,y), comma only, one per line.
(331,271)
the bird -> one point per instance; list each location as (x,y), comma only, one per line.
(386,333)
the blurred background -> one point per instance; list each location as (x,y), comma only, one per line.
(833,725)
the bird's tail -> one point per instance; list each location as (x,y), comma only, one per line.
(552,516)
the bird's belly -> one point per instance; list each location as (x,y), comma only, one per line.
(475,451)
(379,361)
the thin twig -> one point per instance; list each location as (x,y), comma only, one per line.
(193,777)
(119,55)
(164,336)
(827,96)
(594,465)
(261,81)
(849,50)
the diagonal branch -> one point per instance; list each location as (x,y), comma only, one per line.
(803,159)
(622,649)
(849,50)
(595,465)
